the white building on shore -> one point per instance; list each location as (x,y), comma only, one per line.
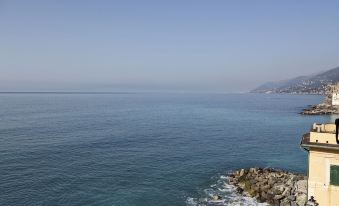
(334,90)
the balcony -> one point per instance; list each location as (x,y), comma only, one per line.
(319,140)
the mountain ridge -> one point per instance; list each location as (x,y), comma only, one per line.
(310,84)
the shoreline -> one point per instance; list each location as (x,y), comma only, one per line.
(272,186)
(321,109)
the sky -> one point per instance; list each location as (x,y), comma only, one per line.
(184,45)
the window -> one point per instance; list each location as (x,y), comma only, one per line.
(334,179)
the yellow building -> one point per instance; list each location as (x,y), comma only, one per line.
(322,144)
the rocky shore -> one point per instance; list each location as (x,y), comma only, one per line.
(321,109)
(272,186)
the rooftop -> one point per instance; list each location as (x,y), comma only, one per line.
(321,136)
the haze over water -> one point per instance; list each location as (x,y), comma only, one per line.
(141,148)
(200,46)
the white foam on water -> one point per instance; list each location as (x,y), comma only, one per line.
(227,196)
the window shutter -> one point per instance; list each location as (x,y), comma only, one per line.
(334,176)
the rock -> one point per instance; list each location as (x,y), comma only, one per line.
(285,202)
(272,180)
(240,185)
(278,189)
(278,197)
(294,204)
(255,188)
(263,195)
(301,199)
(291,180)
(253,181)
(301,186)
(270,197)
(279,175)
(242,172)
(276,202)
(259,179)
(252,192)
(239,190)
(287,191)
(265,187)
(291,198)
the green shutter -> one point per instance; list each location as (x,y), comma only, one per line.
(334,177)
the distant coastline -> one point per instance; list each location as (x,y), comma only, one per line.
(324,108)
(310,84)
(316,84)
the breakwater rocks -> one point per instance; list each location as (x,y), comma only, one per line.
(275,187)
(321,109)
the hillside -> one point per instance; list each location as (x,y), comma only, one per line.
(312,84)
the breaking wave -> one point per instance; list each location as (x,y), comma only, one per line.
(222,193)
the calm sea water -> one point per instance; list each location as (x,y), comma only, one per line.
(141,149)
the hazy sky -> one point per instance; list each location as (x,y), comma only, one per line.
(228,46)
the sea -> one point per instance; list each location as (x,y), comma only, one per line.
(144,149)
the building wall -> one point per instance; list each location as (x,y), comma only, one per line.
(319,186)
(335,99)
(325,138)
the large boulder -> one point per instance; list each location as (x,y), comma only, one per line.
(301,199)
(285,202)
(287,191)
(291,180)
(301,186)
(278,189)
(291,198)
(242,172)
